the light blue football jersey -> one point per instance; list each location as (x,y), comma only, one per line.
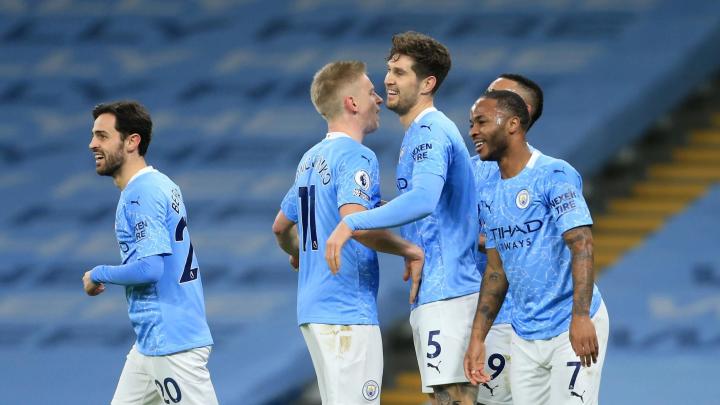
(433,144)
(334,172)
(487,175)
(168,316)
(529,214)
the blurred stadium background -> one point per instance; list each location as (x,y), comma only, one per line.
(632,101)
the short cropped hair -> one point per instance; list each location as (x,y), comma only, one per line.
(512,104)
(431,57)
(535,91)
(130,118)
(327,83)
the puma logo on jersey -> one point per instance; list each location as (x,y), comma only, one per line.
(575,394)
(426,126)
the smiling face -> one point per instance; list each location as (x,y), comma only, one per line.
(107,146)
(487,129)
(401,84)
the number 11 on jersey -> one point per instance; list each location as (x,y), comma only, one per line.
(307,207)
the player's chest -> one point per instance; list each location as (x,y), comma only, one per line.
(513,206)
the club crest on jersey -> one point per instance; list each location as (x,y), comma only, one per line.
(371,390)
(522,200)
(362,178)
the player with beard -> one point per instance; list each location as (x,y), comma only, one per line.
(437,211)
(168,362)
(539,243)
(487,173)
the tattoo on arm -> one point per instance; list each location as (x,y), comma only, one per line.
(492,293)
(580,242)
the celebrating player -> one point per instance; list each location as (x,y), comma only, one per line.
(437,207)
(338,176)
(539,242)
(168,362)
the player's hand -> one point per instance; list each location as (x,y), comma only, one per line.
(583,339)
(334,245)
(294,262)
(92,288)
(414,261)
(474,362)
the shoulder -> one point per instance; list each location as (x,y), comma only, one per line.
(357,151)
(556,170)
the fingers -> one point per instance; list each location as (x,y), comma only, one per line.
(332,257)
(408,271)
(414,290)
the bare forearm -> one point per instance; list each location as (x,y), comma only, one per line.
(383,240)
(492,294)
(288,242)
(580,242)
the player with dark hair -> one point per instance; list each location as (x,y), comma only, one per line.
(437,208)
(168,362)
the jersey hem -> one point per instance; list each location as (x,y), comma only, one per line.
(174,349)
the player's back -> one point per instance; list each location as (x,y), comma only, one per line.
(334,172)
(168,316)
(531,211)
(433,145)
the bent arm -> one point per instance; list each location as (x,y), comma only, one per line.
(411,206)
(146,270)
(381,240)
(580,242)
(492,295)
(285,235)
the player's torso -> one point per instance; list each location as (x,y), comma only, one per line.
(160,324)
(536,260)
(323,176)
(449,234)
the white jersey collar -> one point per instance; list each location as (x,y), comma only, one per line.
(533,158)
(146,169)
(336,135)
(423,113)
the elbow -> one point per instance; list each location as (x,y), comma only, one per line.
(277,229)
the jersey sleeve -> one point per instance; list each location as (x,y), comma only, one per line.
(358,180)
(147,221)
(563,194)
(431,152)
(289,204)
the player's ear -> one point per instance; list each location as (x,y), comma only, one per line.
(427,85)
(513,124)
(132,143)
(349,104)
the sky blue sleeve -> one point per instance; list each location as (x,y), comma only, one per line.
(146,270)
(359,180)
(411,206)
(563,193)
(289,204)
(147,220)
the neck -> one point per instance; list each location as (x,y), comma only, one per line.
(514,160)
(407,119)
(353,130)
(128,170)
